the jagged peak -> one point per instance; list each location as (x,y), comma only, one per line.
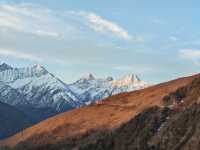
(129,79)
(4,67)
(24,72)
(89,76)
(109,78)
(39,68)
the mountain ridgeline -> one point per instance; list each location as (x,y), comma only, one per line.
(139,120)
(39,94)
(159,117)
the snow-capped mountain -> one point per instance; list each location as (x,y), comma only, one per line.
(90,89)
(39,88)
(11,96)
(13,74)
(4,67)
(128,83)
(37,92)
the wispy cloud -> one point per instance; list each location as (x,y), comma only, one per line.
(45,22)
(44,33)
(17,54)
(158,21)
(190,54)
(102,25)
(13,53)
(123,68)
(173,38)
(41,21)
(20,23)
(27,18)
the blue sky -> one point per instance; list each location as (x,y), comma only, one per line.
(158,40)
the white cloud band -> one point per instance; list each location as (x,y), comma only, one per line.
(102,25)
(190,54)
(27,19)
(18,54)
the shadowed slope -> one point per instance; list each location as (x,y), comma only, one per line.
(12,120)
(153,129)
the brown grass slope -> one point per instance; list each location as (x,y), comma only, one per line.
(132,135)
(154,129)
(113,112)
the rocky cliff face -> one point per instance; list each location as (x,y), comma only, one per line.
(154,129)
(184,96)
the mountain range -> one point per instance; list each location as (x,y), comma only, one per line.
(160,117)
(89,89)
(39,94)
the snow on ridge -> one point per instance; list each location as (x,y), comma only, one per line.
(10,75)
(43,89)
(128,80)
(40,88)
(93,89)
